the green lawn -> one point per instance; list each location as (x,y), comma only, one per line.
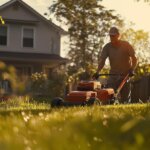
(38,127)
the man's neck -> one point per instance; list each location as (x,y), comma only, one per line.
(115,43)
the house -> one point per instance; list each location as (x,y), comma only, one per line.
(29,41)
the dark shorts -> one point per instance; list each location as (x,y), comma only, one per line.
(125,93)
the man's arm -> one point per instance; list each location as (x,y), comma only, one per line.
(134,62)
(101,64)
(133,65)
(103,56)
(132,56)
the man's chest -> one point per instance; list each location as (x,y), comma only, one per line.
(117,53)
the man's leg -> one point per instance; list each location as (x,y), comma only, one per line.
(125,93)
(113,82)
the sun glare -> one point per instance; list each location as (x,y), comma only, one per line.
(130,10)
(2,21)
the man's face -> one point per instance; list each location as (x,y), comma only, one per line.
(114,38)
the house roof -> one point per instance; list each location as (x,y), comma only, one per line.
(33,57)
(11,2)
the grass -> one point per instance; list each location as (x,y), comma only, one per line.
(31,126)
(22,103)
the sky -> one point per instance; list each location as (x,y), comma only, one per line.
(131,11)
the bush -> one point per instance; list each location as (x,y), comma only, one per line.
(143,69)
(45,88)
(7,79)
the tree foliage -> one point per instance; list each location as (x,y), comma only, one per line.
(7,74)
(88,24)
(140,41)
(143,0)
(42,85)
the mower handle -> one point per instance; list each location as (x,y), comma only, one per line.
(111,74)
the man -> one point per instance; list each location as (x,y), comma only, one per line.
(122,61)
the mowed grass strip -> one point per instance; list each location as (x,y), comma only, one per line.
(86,128)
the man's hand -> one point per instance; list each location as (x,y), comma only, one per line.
(131,73)
(95,76)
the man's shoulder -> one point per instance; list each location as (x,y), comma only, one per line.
(108,45)
(124,42)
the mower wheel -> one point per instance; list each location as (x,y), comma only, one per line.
(97,102)
(116,102)
(90,101)
(57,102)
(93,101)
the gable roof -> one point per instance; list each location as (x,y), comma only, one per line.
(11,2)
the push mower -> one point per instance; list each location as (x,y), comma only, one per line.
(91,93)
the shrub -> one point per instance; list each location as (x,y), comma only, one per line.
(46,87)
(7,77)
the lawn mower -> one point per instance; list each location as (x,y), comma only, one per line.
(91,93)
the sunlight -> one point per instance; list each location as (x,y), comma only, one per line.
(2,21)
(130,10)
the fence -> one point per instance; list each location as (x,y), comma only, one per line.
(141,89)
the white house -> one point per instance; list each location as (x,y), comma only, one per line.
(29,41)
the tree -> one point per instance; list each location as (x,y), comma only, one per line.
(143,0)
(140,40)
(88,23)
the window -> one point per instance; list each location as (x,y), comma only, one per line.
(3,35)
(48,71)
(28,37)
(24,70)
(5,86)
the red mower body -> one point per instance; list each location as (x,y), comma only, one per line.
(104,95)
(80,96)
(88,85)
(90,89)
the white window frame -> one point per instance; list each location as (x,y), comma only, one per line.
(8,35)
(27,27)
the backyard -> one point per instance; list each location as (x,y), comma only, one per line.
(27,126)
(32,64)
